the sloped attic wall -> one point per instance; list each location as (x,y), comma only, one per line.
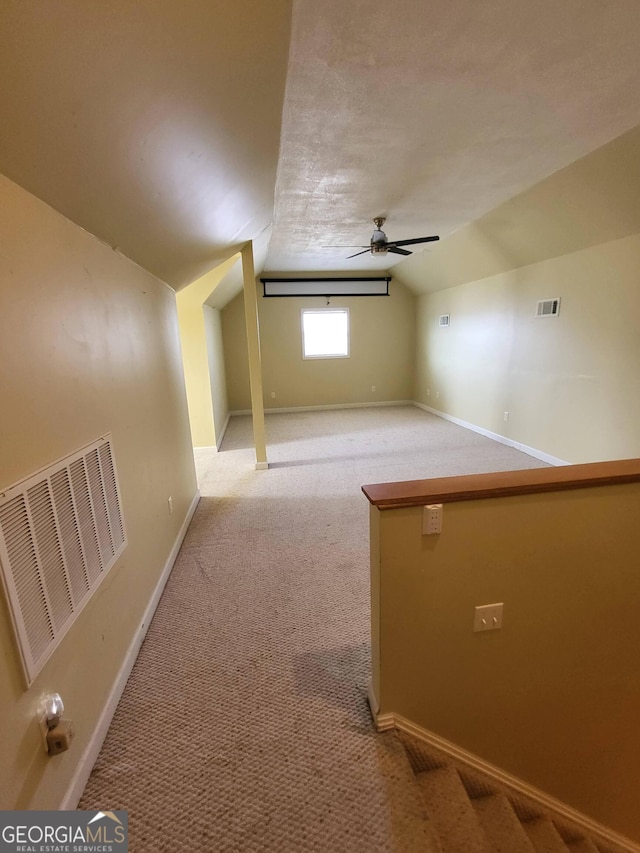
(570,384)
(89,345)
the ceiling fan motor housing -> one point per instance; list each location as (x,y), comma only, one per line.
(378,242)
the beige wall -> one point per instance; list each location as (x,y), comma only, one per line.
(236,358)
(195,364)
(382,343)
(571,384)
(554,696)
(218,382)
(88,344)
(201,354)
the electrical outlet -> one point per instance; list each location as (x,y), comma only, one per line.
(431,519)
(59,738)
(488,617)
(373,387)
(170,504)
(437,395)
(506,416)
(428,392)
(273,395)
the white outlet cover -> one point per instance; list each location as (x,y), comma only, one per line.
(431,519)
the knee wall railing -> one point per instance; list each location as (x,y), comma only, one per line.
(552,697)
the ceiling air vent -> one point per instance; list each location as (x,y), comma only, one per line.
(443,320)
(61,530)
(548,308)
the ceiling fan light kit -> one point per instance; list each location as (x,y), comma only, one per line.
(380,245)
(379,238)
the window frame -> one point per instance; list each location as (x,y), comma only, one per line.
(330,310)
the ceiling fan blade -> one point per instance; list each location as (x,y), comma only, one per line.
(397,251)
(361,246)
(417,240)
(358,253)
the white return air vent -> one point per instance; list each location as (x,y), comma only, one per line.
(548,308)
(61,530)
(443,320)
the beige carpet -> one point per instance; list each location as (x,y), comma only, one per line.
(244,725)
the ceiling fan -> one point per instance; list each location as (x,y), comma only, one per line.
(380,245)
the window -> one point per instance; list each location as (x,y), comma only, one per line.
(325,334)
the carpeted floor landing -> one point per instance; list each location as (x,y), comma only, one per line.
(244,725)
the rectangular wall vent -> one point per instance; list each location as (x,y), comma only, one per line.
(443,320)
(548,308)
(61,530)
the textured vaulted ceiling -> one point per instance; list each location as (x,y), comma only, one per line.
(177,131)
(154,124)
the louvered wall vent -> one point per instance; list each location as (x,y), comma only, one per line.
(548,308)
(61,531)
(443,320)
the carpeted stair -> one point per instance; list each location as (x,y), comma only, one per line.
(469,813)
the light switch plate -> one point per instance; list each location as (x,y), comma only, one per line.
(488,617)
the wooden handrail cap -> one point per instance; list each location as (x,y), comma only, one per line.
(501,484)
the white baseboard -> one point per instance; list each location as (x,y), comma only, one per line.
(372,699)
(495,436)
(553,807)
(90,754)
(219,436)
(328,408)
(383,722)
(524,448)
(222,431)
